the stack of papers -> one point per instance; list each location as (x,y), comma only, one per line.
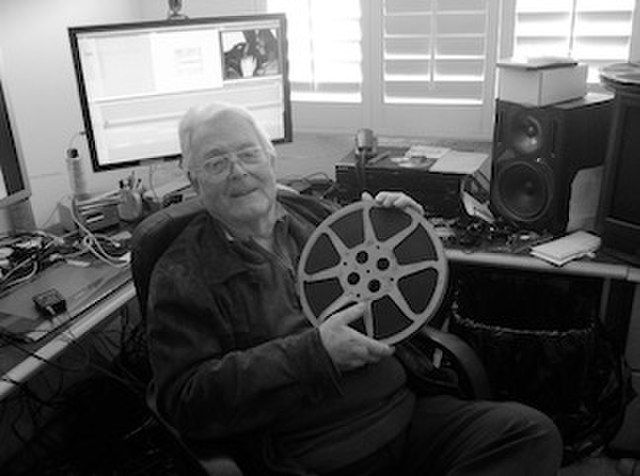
(459,162)
(427,151)
(567,248)
(420,156)
(539,62)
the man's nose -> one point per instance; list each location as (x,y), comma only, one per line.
(235,166)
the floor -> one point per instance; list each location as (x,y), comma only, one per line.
(146,451)
(129,442)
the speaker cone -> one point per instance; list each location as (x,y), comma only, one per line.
(526,134)
(523,190)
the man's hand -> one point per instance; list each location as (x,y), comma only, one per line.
(348,348)
(394,199)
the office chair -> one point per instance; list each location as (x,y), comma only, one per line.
(154,235)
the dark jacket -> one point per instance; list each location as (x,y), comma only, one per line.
(218,371)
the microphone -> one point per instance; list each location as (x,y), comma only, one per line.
(365,143)
(365,149)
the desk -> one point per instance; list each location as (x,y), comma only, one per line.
(95,304)
(620,299)
(16,369)
(584,267)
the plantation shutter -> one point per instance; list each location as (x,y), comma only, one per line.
(325,54)
(435,51)
(596,32)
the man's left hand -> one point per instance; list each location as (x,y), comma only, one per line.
(394,199)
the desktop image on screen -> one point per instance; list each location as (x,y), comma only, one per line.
(136,80)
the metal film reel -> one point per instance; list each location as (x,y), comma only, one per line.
(390,259)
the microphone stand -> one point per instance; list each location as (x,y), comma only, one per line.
(361,178)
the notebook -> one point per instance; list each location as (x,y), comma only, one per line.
(562,250)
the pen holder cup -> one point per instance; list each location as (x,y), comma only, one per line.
(130,205)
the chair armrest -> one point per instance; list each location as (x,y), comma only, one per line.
(468,363)
(214,460)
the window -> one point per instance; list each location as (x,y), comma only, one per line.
(324,49)
(435,51)
(592,31)
(427,67)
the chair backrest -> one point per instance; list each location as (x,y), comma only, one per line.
(150,240)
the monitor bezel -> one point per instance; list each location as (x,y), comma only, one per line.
(18,156)
(76,31)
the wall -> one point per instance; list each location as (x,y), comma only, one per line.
(153,9)
(39,76)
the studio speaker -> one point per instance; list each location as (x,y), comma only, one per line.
(537,152)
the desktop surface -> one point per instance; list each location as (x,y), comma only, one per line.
(23,329)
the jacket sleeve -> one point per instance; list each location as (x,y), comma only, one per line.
(207,385)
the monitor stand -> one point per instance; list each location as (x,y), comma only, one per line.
(20,216)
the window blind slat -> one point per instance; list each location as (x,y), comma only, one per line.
(418,24)
(444,90)
(407,6)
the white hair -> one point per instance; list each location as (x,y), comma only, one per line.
(198,114)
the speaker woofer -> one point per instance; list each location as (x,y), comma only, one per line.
(526,134)
(524,190)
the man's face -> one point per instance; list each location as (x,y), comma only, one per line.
(234,176)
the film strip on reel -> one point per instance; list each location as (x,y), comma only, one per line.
(390,259)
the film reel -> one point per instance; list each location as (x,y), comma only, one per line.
(388,258)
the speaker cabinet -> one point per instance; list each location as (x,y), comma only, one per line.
(619,211)
(536,154)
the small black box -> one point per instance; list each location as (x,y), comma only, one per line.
(50,302)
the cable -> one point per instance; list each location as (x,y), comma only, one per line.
(91,243)
(74,137)
(151,171)
(5,283)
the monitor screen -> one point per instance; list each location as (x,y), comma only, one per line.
(14,185)
(136,80)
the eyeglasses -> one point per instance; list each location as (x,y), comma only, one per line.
(219,165)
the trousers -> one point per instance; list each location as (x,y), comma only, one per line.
(454,437)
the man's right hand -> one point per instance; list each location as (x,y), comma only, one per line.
(348,348)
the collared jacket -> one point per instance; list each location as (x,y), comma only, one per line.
(218,369)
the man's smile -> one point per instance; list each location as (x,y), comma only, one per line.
(242,191)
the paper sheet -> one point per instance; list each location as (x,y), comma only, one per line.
(457,162)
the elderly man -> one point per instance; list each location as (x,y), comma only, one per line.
(233,355)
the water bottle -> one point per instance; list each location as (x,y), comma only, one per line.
(77,178)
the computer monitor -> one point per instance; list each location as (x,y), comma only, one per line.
(136,80)
(14,184)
